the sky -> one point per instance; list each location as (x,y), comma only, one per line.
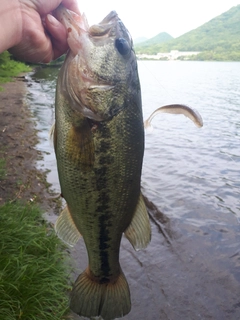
(147,18)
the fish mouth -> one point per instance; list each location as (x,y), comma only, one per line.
(85,83)
(77,26)
(71,19)
(102,29)
(112,15)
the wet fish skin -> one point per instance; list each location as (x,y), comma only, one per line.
(99,145)
(189,112)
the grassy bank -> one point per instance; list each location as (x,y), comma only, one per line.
(33,264)
(33,276)
(10,68)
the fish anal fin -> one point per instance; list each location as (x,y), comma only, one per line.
(109,300)
(66,229)
(139,230)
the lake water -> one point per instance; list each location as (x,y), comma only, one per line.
(191,181)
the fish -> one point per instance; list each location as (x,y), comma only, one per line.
(99,146)
(189,112)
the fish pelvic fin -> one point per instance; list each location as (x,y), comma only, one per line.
(109,300)
(66,229)
(139,230)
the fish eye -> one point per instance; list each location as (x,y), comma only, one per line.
(122,46)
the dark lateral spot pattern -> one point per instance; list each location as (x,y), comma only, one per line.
(103,213)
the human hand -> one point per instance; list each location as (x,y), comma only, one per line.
(43,37)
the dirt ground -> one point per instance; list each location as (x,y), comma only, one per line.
(18,137)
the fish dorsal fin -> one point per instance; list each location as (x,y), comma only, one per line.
(66,228)
(139,230)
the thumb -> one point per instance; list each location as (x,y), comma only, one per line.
(58,35)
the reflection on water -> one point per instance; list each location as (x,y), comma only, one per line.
(191,269)
(41,93)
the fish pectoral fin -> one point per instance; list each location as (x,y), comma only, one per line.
(139,230)
(66,229)
(53,135)
(80,146)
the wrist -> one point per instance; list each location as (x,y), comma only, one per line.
(10,24)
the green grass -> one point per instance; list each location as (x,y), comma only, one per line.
(33,269)
(10,68)
(33,263)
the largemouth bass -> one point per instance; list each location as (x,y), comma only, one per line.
(99,145)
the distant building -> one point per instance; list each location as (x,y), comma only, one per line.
(172,55)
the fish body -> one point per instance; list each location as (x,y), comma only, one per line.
(190,113)
(99,145)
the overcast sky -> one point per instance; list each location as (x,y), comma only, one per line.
(149,17)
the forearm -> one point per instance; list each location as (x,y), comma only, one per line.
(10,24)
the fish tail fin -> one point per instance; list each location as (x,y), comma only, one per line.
(109,300)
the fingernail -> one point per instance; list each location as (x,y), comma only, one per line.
(52,20)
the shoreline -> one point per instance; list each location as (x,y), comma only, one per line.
(18,139)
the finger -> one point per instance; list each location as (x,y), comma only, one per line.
(40,51)
(58,36)
(45,7)
(36,45)
(71,5)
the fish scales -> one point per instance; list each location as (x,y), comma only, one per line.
(99,145)
(108,193)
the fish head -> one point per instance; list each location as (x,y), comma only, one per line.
(99,75)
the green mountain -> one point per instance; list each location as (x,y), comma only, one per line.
(139,40)
(158,39)
(218,39)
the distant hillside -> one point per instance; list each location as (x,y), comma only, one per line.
(158,39)
(139,40)
(218,39)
